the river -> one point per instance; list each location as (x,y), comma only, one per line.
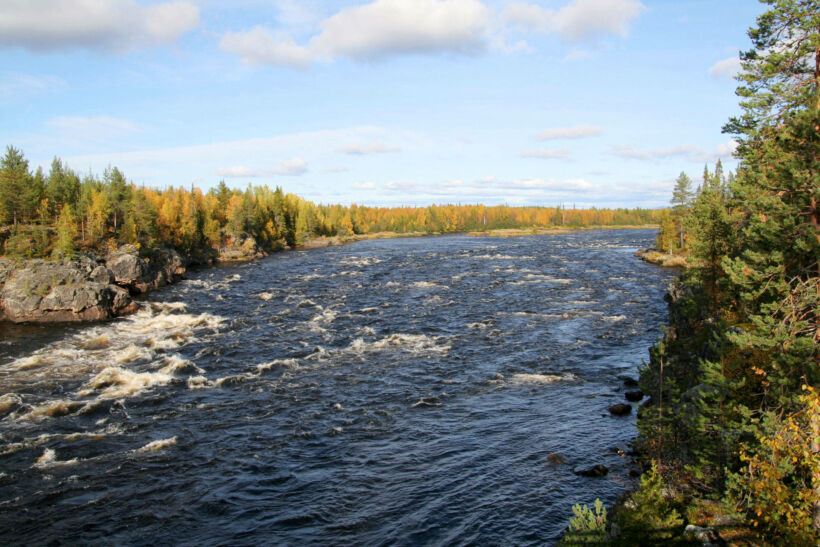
(388,392)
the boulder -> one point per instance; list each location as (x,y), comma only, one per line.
(597,470)
(139,275)
(621,409)
(634,396)
(707,536)
(554,458)
(628,381)
(127,266)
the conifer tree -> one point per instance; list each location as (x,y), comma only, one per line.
(14,183)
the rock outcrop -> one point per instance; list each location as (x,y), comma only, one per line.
(86,288)
(139,275)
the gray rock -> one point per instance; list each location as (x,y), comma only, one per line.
(127,266)
(83,288)
(707,536)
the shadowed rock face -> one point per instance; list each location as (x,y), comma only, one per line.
(85,288)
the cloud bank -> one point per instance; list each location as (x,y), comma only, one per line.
(108,25)
(387,28)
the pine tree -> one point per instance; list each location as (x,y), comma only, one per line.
(14,183)
(781,74)
(776,273)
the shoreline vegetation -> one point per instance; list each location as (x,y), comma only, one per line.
(729,434)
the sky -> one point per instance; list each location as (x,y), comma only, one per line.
(379,102)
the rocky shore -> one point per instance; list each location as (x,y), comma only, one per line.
(667,260)
(86,288)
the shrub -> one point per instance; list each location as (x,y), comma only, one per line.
(587,526)
(776,487)
(651,517)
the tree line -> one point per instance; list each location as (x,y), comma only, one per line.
(60,212)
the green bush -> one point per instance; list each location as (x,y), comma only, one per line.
(651,518)
(587,526)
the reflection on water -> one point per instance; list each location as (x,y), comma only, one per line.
(387,392)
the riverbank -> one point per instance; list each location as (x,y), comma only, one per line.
(534,231)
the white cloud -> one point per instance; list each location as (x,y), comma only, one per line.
(727,149)
(575,132)
(50,25)
(629,151)
(14,85)
(294,167)
(93,127)
(554,154)
(395,27)
(566,185)
(688,152)
(367,149)
(237,171)
(580,20)
(380,29)
(727,68)
(335,170)
(259,46)
(367,185)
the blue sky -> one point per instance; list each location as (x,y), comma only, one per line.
(379,102)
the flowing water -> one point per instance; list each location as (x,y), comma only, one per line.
(387,392)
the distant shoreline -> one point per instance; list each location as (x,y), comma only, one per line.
(333,241)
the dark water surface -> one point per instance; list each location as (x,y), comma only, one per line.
(386,392)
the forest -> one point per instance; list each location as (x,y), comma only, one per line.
(60,212)
(733,420)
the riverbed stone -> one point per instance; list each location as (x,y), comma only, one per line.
(634,396)
(598,470)
(621,409)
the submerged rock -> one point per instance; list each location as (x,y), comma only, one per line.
(555,458)
(634,396)
(598,470)
(621,409)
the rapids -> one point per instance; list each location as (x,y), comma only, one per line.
(402,391)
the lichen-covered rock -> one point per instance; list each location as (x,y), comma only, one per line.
(140,275)
(127,266)
(85,288)
(70,290)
